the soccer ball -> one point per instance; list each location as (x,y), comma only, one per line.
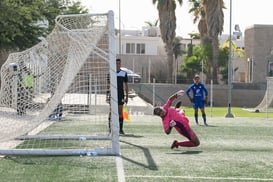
(14,68)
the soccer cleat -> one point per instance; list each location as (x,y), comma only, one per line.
(206,124)
(178,104)
(174,145)
(121,132)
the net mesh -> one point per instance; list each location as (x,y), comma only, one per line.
(53,95)
(267,101)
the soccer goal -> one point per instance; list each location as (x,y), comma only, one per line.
(267,101)
(53,95)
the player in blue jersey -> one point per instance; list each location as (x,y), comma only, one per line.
(198,95)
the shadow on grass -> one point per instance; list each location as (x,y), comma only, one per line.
(186,152)
(53,161)
(151,163)
(201,125)
(131,135)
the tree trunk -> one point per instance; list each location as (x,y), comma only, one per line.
(170,64)
(215,57)
(3,56)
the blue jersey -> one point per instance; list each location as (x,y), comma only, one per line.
(198,91)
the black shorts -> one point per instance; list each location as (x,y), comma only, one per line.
(120,98)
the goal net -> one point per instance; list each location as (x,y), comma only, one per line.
(267,101)
(53,95)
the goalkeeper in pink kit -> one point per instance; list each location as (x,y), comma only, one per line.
(175,118)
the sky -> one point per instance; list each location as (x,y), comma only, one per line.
(134,14)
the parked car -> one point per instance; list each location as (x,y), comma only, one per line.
(132,77)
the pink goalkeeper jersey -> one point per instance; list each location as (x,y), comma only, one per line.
(182,122)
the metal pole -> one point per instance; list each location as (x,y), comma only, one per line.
(266,97)
(252,68)
(133,69)
(153,92)
(175,73)
(229,114)
(89,99)
(202,71)
(211,97)
(149,71)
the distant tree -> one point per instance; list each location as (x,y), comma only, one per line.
(53,8)
(193,64)
(167,24)
(152,24)
(194,35)
(211,19)
(24,22)
(198,12)
(153,27)
(178,51)
(215,21)
(20,26)
(236,51)
(224,58)
(206,46)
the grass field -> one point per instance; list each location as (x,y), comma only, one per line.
(231,149)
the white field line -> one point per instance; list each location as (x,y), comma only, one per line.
(202,177)
(120,169)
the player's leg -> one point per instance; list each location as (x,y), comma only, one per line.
(120,109)
(60,111)
(194,142)
(196,114)
(195,108)
(109,120)
(202,109)
(186,131)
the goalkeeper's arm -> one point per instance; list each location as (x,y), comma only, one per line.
(206,100)
(168,131)
(172,124)
(173,97)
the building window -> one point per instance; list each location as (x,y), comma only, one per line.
(140,49)
(130,48)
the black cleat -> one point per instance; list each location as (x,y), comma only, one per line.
(174,145)
(178,104)
(121,132)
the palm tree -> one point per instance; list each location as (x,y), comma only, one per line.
(152,31)
(215,20)
(167,19)
(198,12)
(177,51)
(152,24)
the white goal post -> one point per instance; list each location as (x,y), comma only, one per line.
(267,101)
(53,95)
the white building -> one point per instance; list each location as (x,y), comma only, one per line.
(143,52)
